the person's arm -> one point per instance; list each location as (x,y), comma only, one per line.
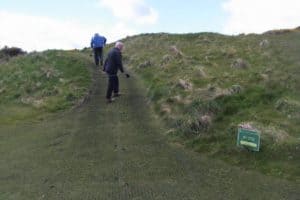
(121,67)
(118,60)
(92,42)
(105,64)
(119,63)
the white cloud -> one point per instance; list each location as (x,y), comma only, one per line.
(40,33)
(131,10)
(257,16)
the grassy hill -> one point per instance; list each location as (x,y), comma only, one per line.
(202,85)
(205,85)
(36,84)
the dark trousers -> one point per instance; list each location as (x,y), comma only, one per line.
(98,55)
(113,85)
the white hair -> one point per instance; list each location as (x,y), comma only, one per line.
(119,45)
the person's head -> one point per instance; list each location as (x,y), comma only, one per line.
(119,45)
(96,34)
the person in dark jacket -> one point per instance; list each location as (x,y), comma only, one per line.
(113,63)
(98,42)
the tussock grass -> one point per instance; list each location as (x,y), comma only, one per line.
(204,85)
(40,83)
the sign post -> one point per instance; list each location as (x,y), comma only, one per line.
(248,138)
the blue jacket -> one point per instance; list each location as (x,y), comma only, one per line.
(98,41)
(113,62)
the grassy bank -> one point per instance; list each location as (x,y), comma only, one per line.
(40,83)
(204,85)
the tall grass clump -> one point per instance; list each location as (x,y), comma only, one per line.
(204,85)
(42,82)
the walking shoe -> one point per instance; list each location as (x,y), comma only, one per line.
(117,95)
(110,100)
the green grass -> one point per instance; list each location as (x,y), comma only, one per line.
(118,151)
(41,83)
(266,93)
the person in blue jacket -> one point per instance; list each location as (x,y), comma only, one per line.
(97,44)
(113,63)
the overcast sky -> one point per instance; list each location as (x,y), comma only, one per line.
(69,24)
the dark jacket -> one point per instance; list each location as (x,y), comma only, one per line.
(113,62)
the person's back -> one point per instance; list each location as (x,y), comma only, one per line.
(98,41)
(113,61)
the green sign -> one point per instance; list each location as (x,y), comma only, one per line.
(249,139)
